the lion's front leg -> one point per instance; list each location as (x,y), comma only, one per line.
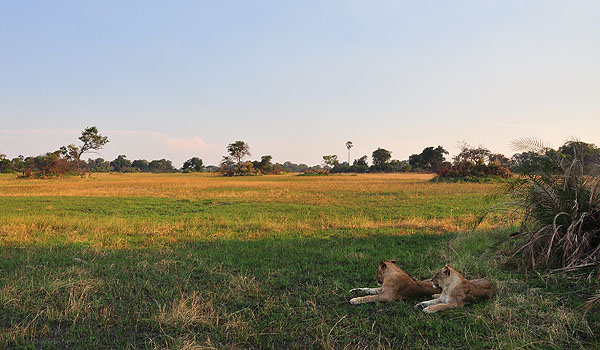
(424,304)
(370,299)
(439,307)
(368,291)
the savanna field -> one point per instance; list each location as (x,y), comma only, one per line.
(188,261)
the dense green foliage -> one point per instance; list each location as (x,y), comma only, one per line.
(475,162)
(430,159)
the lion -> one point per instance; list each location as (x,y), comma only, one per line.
(395,284)
(456,291)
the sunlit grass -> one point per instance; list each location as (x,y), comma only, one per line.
(187,261)
(129,210)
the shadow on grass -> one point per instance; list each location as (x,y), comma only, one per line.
(273,293)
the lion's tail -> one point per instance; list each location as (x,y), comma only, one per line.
(482,288)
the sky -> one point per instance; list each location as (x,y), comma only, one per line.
(296,79)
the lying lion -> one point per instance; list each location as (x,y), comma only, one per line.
(395,284)
(456,291)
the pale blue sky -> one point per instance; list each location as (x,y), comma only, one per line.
(296,79)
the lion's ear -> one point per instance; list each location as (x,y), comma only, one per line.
(447,271)
(382,265)
(393,261)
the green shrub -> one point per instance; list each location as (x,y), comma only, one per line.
(560,204)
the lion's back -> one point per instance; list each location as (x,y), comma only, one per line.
(482,288)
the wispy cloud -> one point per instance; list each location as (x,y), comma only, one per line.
(194,143)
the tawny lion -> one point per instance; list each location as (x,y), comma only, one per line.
(456,291)
(395,284)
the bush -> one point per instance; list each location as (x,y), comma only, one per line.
(316,172)
(560,204)
(475,163)
(472,179)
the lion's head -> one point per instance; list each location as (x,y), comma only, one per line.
(442,277)
(382,270)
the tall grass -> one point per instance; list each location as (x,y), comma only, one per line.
(560,204)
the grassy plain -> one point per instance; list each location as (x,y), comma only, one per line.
(193,261)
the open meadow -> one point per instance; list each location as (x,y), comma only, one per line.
(195,261)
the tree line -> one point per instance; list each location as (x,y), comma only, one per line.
(469,162)
(68,160)
(475,162)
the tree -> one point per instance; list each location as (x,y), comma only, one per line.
(5,164)
(265,166)
(18,165)
(121,163)
(331,161)
(161,166)
(430,159)
(499,159)
(49,164)
(381,159)
(400,165)
(588,151)
(238,150)
(193,164)
(140,165)
(92,141)
(98,165)
(381,156)
(360,165)
(70,152)
(227,166)
(294,168)
(475,162)
(348,146)
(472,155)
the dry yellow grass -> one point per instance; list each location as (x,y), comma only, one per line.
(319,190)
(234,208)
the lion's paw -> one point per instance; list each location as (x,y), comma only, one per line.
(420,306)
(428,310)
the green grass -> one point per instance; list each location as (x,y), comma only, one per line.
(83,272)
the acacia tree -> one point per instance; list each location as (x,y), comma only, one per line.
(232,164)
(238,150)
(92,141)
(331,161)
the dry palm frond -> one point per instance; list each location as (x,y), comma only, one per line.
(591,302)
(561,202)
(529,144)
